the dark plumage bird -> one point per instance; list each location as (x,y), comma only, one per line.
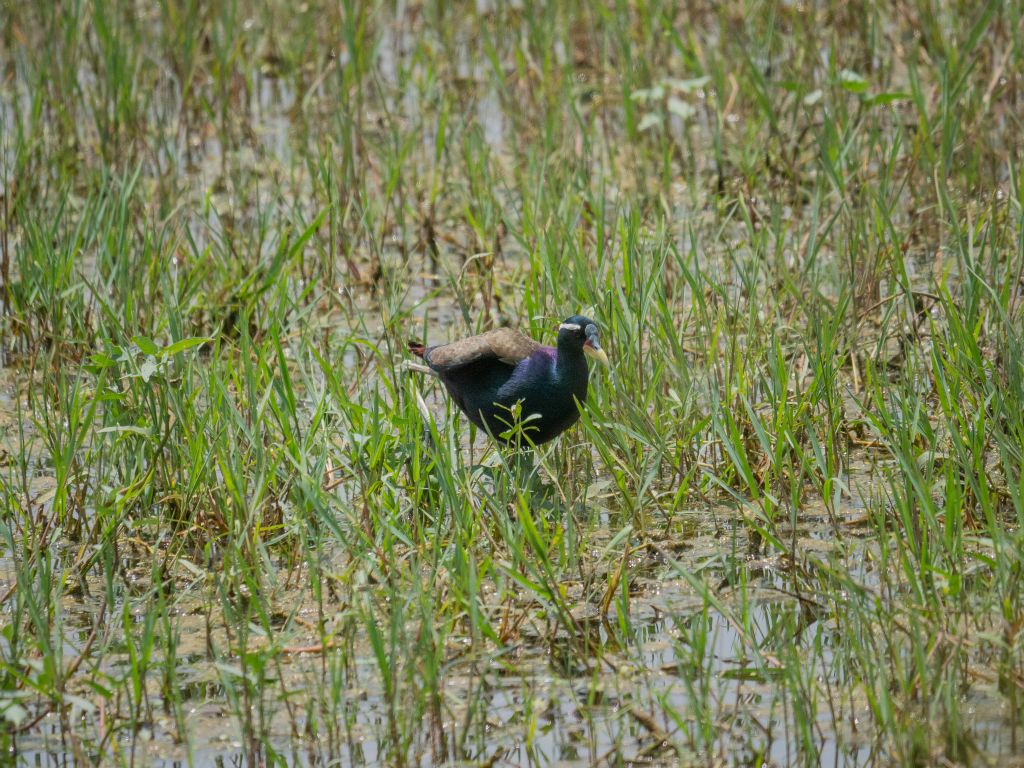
(487,375)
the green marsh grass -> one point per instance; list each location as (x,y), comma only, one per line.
(787,529)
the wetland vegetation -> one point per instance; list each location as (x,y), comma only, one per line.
(787,529)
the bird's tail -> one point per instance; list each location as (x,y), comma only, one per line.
(417,348)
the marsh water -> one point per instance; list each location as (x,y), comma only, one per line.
(716,568)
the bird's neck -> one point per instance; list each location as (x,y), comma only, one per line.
(570,364)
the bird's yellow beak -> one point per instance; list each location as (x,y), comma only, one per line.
(595,352)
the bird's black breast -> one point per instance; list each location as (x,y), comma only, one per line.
(475,387)
(488,390)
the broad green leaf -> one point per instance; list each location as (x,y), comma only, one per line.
(126,428)
(852,81)
(887,98)
(181,346)
(146,345)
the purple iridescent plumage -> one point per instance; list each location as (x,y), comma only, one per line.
(488,375)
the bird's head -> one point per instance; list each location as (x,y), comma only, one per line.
(580,331)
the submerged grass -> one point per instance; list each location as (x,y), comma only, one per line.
(788,528)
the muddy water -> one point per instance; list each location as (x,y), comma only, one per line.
(681,655)
(570,725)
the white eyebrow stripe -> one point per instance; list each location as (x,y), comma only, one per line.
(568,327)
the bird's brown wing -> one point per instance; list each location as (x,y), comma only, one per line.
(505,344)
